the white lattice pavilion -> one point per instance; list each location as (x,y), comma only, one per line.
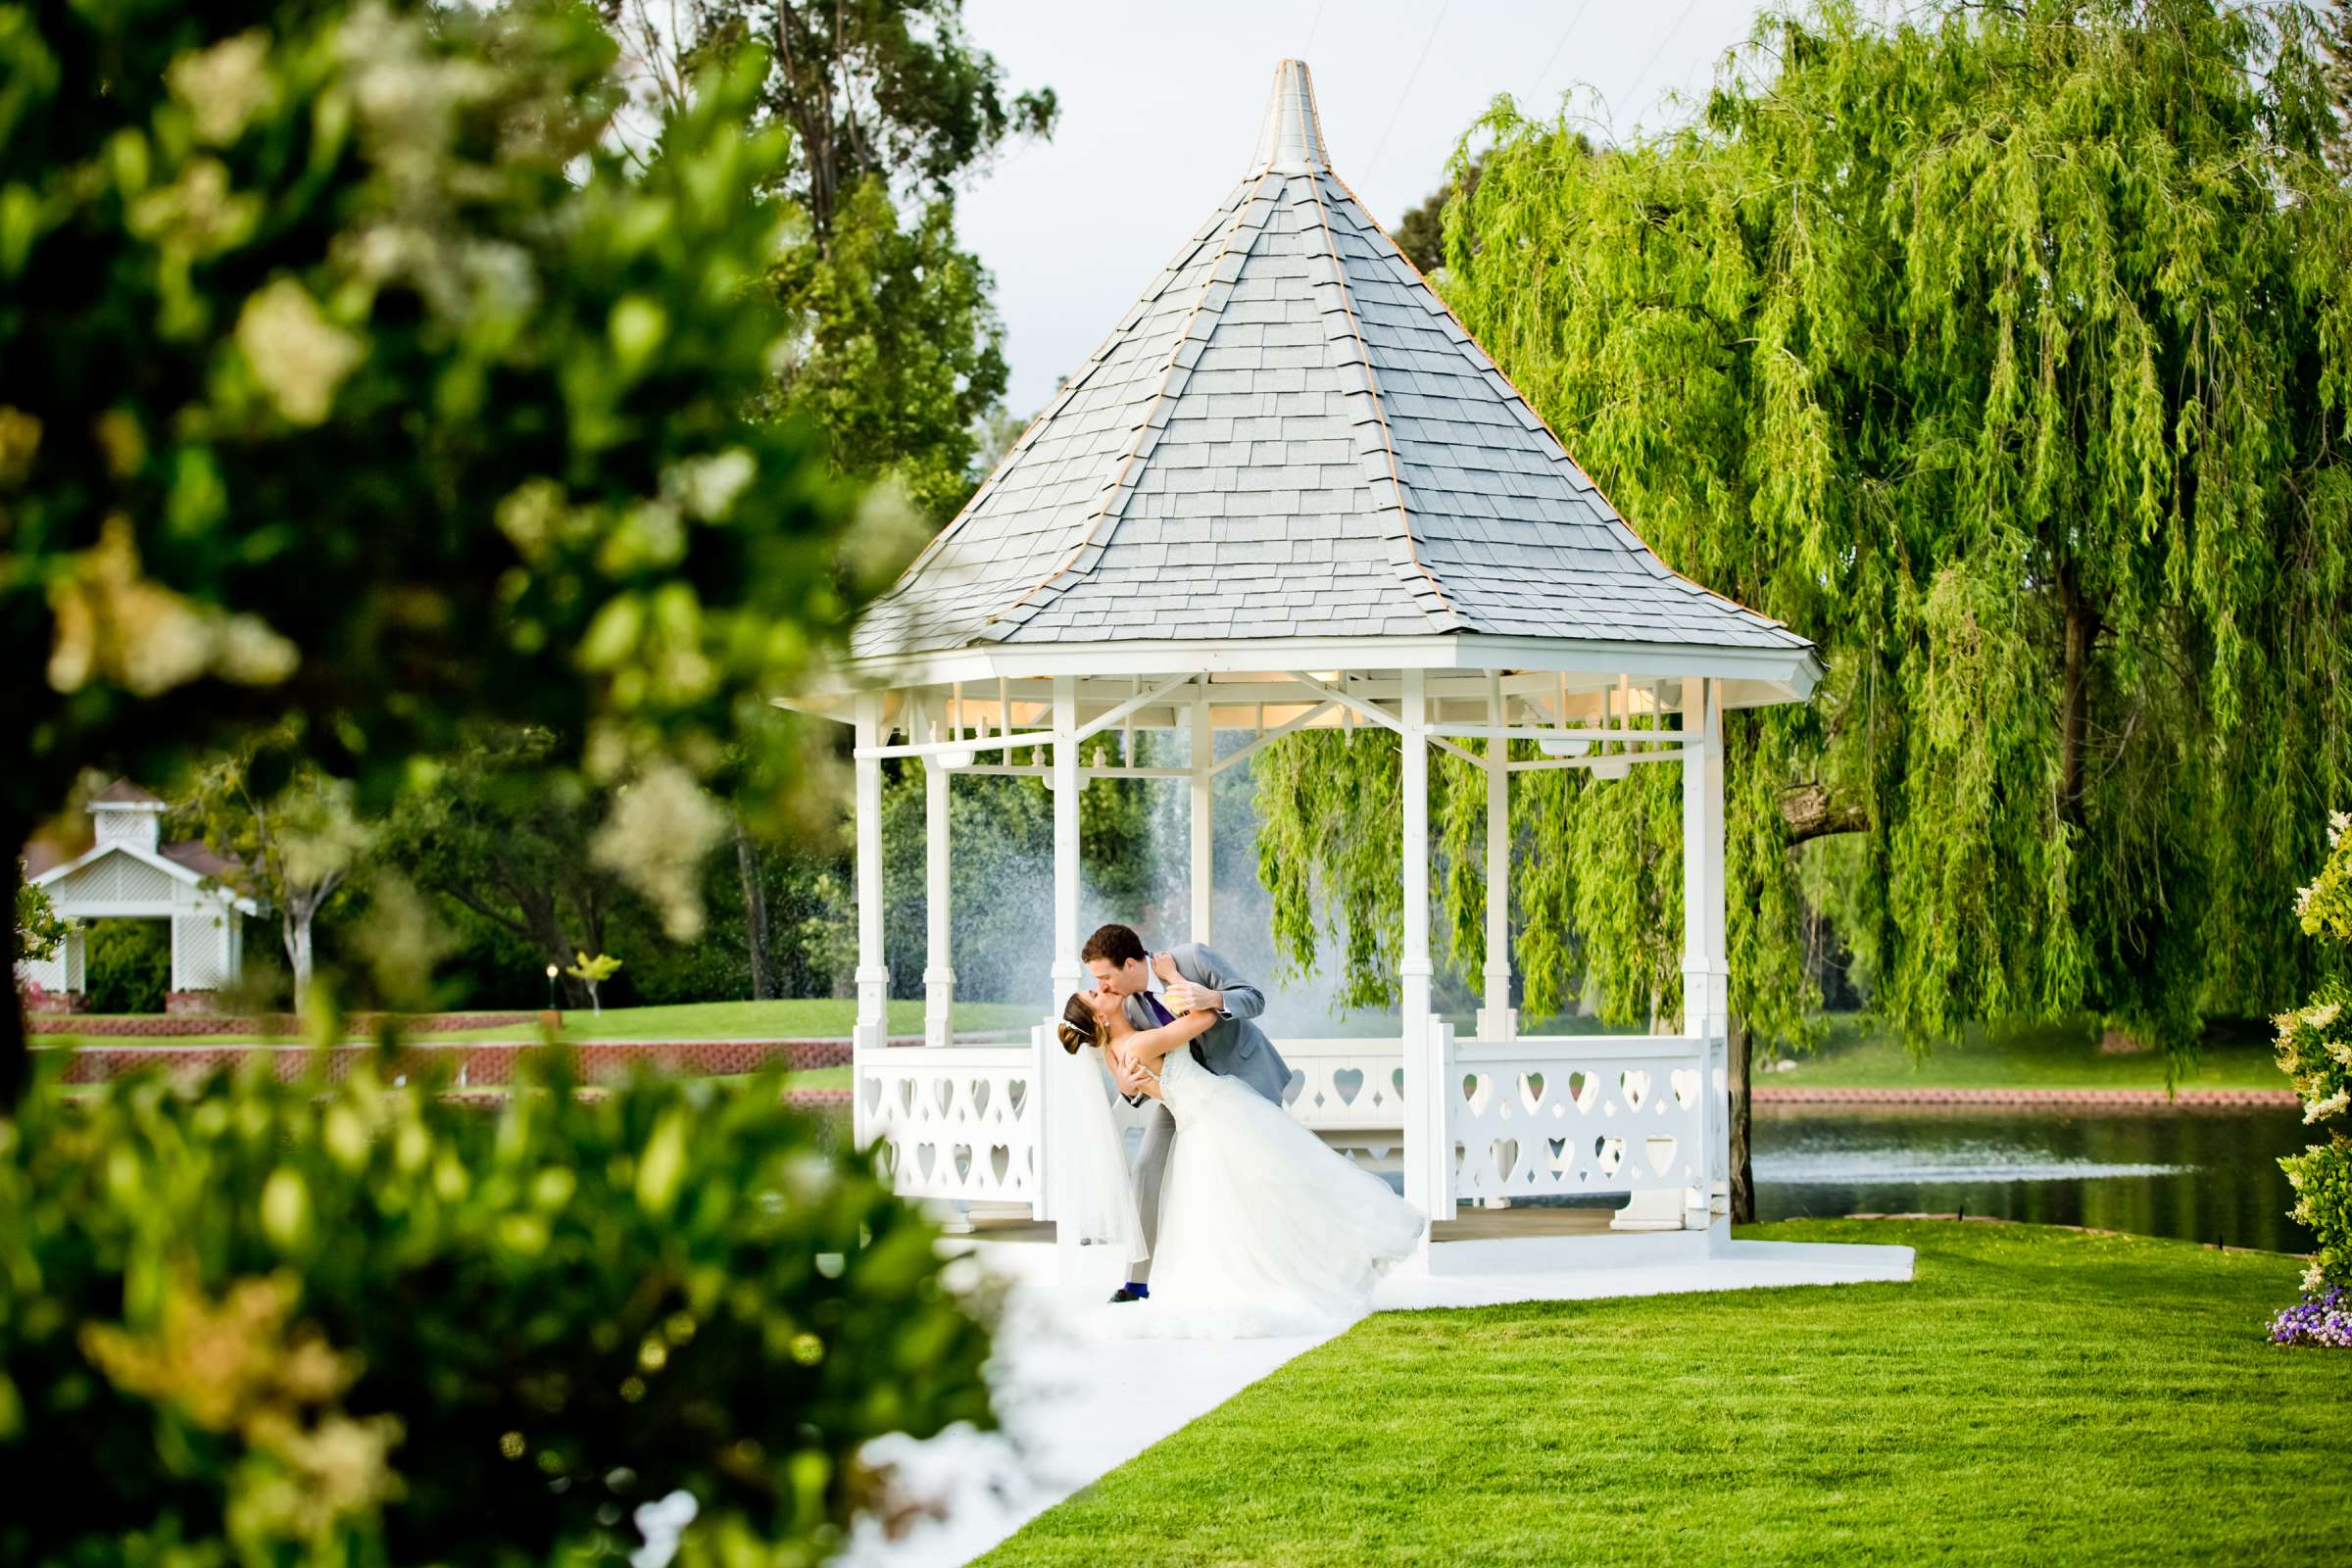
(1289,491)
(130,873)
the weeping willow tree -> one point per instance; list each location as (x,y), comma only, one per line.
(2003,353)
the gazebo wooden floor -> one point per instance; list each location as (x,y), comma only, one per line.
(1474,1225)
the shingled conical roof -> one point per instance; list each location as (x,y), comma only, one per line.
(1291,436)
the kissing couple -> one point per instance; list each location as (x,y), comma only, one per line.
(1238,1220)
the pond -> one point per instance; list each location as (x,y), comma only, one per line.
(2193,1174)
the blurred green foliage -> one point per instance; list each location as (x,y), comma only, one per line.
(355,1323)
(350,379)
(126,965)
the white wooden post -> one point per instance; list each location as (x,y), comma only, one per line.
(1204,820)
(1498,1019)
(1428,1145)
(1706,991)
(939,973)
(1068,975)
(873,975)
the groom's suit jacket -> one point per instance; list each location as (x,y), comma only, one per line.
(1234,1045)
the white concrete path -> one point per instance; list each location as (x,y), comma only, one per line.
(1074,1409)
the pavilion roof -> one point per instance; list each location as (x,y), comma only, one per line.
(1290,435)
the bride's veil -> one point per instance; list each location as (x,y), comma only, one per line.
(1102,1206)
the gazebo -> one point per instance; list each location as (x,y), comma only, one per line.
(130,873)
(1289,491)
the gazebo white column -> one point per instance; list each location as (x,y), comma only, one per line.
(873,975)
(1705,999)
(1068,973)
(1706,980)
(939,974)
(1203,819)
(1428,1161)
(1498,1019)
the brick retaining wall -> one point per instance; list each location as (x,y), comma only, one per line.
(472,1065)
(150,1027)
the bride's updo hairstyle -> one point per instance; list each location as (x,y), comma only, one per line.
(1079,1027)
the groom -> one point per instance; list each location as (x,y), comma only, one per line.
(1196,978)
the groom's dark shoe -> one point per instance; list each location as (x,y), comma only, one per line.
(1131,1293)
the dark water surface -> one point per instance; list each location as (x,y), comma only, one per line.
(2191,1174)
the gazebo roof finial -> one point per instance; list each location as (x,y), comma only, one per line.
(1290,141)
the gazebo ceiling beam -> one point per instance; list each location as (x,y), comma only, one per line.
(1131,707)
(1268,738)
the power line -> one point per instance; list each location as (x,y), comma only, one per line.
(1659,52)
(1398,113)
(1554,58)
(1307,54)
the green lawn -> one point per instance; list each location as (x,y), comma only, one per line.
(1858,1054)
(817,1018)
(2034,1396)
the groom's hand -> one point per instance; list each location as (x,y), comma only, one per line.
(1131,1079)
(1196,998)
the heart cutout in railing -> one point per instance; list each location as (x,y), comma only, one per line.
(888,1158)
(1559,1154)
(1295,1087)
(1397,1080)
(1506,1153)
(1000,1159)
(1582,1087)
(1477,1091)
(964,1162)
(1531,1091)
(1350,1082)
(1633,1083)
(1016,1094)
(1660,1150)
(872,1090)
(1685,1081)
(1609,1151)
(906,1096)
(925,1157)
(943,1091)
(979,1092)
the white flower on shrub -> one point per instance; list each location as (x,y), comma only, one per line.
(224,86)
(298,355)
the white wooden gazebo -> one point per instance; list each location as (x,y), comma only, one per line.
(130,873)
(1289,491)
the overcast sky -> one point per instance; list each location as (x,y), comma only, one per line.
(1160,101)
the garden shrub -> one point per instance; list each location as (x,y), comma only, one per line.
(2315,1051)
(308,1323)
(126,965)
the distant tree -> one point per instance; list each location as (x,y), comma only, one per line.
(347,373)
(497,835)
(1421,233)
(896,354)
(287,831)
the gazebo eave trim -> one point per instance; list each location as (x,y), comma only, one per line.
(242,904)
(1795,671)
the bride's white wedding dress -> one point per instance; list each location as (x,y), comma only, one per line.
(1263,1230)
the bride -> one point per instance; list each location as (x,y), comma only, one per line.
(1262,1228)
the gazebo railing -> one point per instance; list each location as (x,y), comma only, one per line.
(960,1122)
(1562,1116)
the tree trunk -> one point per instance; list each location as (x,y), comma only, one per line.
(1741,1198)
(1812,811)
(297,931)
(2074,714)
(16,1059)
(755,914)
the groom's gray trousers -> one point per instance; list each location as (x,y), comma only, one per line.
(1235,1047)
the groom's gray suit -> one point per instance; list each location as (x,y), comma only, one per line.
(1234,1047)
